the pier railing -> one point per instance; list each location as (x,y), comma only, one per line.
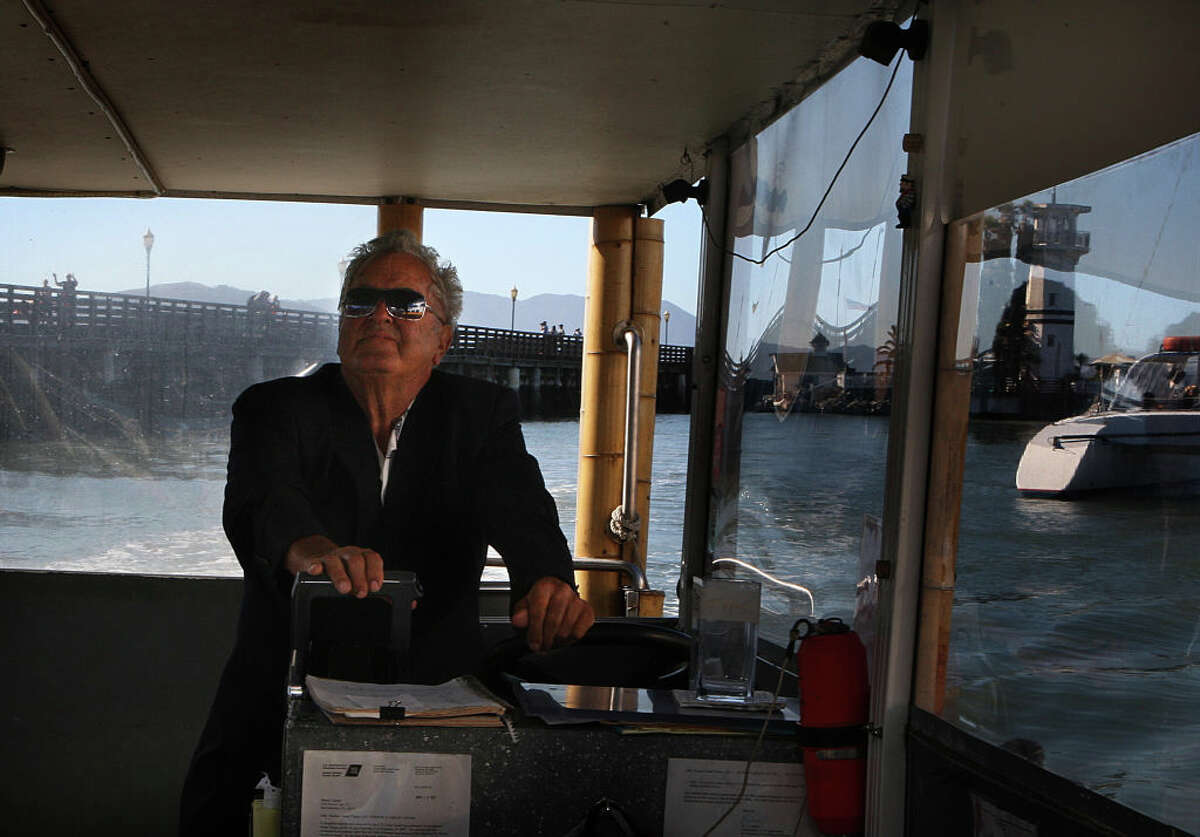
(88,315)
(483,345)
(491,345)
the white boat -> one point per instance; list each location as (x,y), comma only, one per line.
(1149,435)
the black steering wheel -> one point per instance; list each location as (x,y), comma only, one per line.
(628,654)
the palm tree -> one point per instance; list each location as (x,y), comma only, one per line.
(887,355)
(1014,348)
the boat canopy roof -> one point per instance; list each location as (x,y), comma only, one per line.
(565,106)
(559,106)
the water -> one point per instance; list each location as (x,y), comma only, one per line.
(132,507)
(153,506)
(1076,624)
(806,485)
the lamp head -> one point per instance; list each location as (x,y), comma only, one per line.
(678,191)
(883,39)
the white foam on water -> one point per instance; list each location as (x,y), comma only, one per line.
(187,552)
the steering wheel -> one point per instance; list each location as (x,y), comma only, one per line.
(628,654)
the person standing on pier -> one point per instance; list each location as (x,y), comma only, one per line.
(43,304)
(381,462)
(68,285)
(66,298)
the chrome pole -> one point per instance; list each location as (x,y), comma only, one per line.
(624,522)
(637,575)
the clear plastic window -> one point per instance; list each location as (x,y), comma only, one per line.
(1075,635)
(811,345)
(118,373)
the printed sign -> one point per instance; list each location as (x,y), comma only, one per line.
(372,794)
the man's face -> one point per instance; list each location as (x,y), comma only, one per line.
(380,344)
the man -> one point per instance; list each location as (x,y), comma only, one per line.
(379,462)
(66,314)
(43,300)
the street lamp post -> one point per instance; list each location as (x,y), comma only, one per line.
(666,328)
(148,240)
(514,374)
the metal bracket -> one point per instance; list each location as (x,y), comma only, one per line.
(633,601)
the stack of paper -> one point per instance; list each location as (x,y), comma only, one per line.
(462,702)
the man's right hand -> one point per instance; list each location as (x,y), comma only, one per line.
(352,569)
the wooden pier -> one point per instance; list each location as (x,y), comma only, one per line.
(100,363)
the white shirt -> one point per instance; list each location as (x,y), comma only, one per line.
(385,457)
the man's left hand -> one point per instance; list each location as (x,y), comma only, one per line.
(552,614)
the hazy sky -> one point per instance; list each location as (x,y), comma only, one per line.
(293,249)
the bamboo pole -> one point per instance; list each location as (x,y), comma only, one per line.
(624,285)
(943,503)
(646,315)
(601,400)
(402,214)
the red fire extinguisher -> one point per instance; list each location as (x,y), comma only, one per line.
(834,705)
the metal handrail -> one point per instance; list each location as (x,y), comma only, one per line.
(623,524)
(1110,438)
(636,575)
(812,603)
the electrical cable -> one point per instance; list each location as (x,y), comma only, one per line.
(824,197)
(793,638)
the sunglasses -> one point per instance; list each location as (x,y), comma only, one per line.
(401,303)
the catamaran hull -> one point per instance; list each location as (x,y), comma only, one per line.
(1111,451)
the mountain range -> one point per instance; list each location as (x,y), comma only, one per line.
(486,310)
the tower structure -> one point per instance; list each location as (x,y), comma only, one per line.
(1048,239)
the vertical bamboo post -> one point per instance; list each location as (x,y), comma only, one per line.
(624,285)
(646,314)
(401,214)
(943,503)
(601,400)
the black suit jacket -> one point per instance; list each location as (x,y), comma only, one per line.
(303,461)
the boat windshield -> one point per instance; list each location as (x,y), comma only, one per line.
(1164,381)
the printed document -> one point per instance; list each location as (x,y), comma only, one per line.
(375,794)
(699,791)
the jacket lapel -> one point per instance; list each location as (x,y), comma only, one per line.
(412,463)
(353,450)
